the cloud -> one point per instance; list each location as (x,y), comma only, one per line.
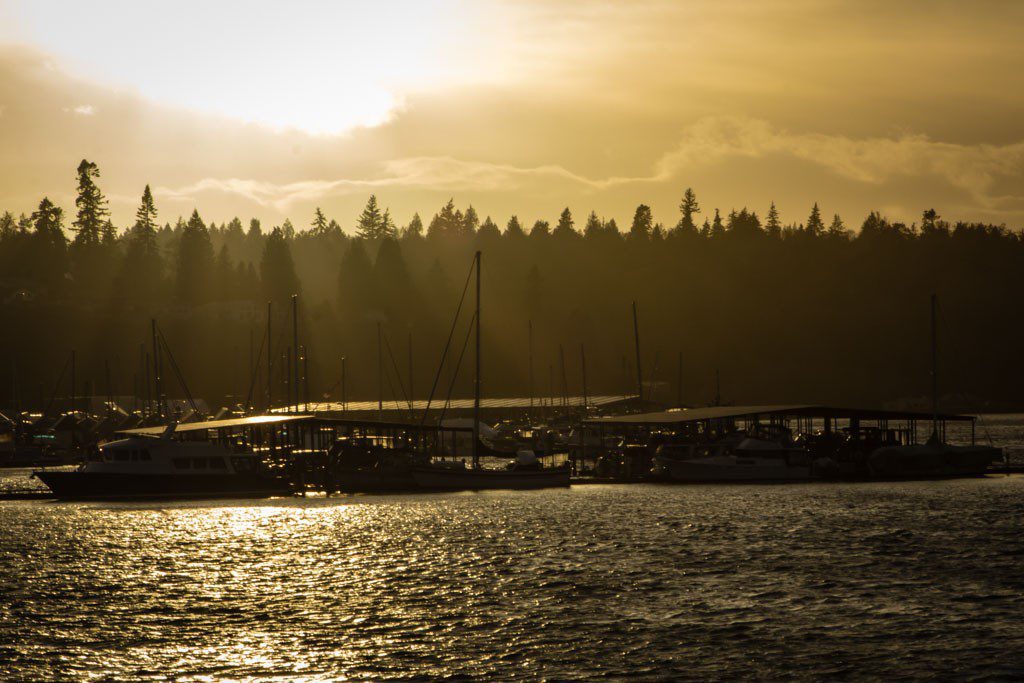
(975,169)
(431,173)
(81,110)
(714,141)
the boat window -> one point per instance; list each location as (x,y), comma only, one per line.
(135,455)
(199,463)
(218,464)
(181,463)
(144,454)
(121,456)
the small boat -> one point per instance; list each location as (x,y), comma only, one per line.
(764,454)
(365,467)
(935,458)
(931,460)
(146,467)
(525,473)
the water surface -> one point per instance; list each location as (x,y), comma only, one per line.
(837,580)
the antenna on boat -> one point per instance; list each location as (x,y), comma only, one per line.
(639,371)
(476,382)
(935,371)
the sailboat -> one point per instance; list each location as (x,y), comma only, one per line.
(526,472)
(935,458)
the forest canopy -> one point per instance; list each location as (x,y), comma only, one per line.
(806,310)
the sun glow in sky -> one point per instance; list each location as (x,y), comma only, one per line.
(320,67)
(522,107)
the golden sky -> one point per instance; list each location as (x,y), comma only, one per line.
(269,109)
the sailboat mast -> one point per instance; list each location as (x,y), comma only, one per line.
(529,351)
(639,371)
(295,351)
(380,376)
(935,370)
(476,382)
(270,360)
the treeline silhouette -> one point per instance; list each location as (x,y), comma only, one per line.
(787,312)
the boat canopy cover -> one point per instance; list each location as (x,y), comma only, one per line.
(674,417)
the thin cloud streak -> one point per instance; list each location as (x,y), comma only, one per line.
(975,169)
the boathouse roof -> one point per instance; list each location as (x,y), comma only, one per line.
(673,417)
(252,421)
(462,404)
(277,419)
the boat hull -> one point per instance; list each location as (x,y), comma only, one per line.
(931,462)
(729,470)
(468,479)
(375,481)
(117,486)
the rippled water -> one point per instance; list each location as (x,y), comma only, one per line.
(814,580)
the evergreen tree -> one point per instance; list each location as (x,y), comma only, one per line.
(8,226)
(370,223)
(470,222)
(92,206)
(717,229)
(593,227)
(141,273)
(564,228)
(488,230)
(513,229)
(108,235)
(446,223)
(815,226)
(772,224)
(47,252)
(415,228)
(319,223)
(388,230)
(145,215)
(288,230)
(540,230)
(688,207)
(48,221)
(640,229)
(611,229)
(255,230)
(744,224)
(932,225)
(837,230)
